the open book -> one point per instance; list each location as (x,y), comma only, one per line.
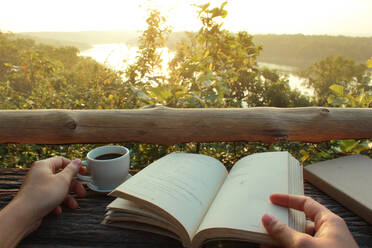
(191,197)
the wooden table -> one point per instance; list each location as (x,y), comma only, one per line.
(81,228)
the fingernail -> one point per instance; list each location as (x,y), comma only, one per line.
(268,219)
(76,162)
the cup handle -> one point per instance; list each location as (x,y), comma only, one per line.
(82,177)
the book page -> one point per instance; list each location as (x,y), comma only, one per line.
(122,205)
(244,197)
(183,185)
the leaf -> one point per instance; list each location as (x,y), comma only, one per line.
(209,77)
(161,93)
(180,93)
(363,146)
(336,101)
(348,145)
(223,13)
(217,12)
(324,155)
(369,63)
(223,5)
(337,89)
(203,7)
(206,84)
(305,155)
(142,95)
(198,98)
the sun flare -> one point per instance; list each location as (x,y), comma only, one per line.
(265,16)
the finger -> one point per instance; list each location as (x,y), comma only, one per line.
(71,202)
(56,163)
(310,228)
(77,188)
(57,210)
(83,170)
(71,170)
(310,207)
(279,231)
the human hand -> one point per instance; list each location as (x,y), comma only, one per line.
(330,229)
(48,184)
(45,187)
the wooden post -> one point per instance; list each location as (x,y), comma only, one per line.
(170,126)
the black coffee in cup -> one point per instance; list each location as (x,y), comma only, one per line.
(108,156)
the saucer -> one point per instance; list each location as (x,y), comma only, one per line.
(96,189)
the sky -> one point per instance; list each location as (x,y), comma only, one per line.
(334,17)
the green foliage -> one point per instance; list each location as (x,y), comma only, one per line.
(219,69)
(211,68)
(311,153)
(34,76)
(145,73)
(336,70)
(339,98)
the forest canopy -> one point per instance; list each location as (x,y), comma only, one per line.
(302,50)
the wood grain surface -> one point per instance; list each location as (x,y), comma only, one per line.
(171,126)
(81,227)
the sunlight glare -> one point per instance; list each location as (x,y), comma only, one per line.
(264,16)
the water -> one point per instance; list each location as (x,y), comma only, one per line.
(118,56)
(295,82)
(112,55)
(283,68)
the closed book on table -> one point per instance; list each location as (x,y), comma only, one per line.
(347,179)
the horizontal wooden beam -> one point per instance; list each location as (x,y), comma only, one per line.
(170,126)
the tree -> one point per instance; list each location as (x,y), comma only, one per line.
(217,66)
(146,69)
(336,70)
(145,72)
(277,93)
(220,68)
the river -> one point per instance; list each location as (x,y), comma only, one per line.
(119,55)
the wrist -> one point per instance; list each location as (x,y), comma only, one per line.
(24,212)
(16,222)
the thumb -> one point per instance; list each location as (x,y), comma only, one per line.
(279,231)
(71,169)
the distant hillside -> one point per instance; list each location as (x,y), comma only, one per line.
(302,50)
(90,37)
(85,39)
(294,50)
(54,42)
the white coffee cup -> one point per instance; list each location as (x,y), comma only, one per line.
(106,170)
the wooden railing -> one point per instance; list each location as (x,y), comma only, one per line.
(170,126)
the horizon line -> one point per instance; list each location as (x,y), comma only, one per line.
(361,35)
